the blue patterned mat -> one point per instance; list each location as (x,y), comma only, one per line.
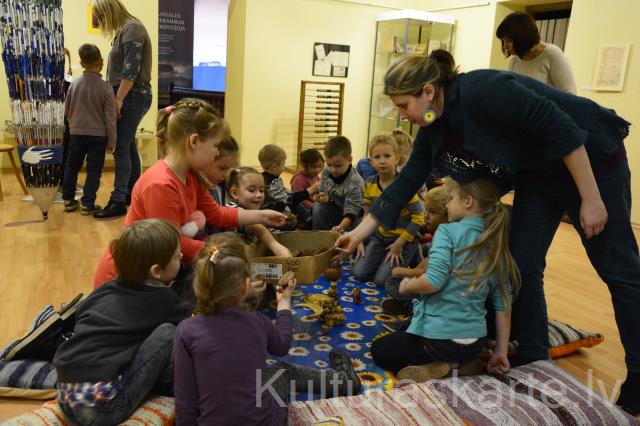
(311,343)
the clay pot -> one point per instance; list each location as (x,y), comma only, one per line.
(332,273)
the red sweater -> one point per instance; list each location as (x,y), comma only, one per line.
(300,182)
(160,194)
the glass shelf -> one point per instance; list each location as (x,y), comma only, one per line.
(398,34)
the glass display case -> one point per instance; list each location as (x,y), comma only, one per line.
(400,33)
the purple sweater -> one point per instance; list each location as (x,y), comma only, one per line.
(216,358)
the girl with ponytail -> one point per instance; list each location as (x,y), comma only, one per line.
(559,152)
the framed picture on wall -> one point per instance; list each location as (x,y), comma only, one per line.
(330,60)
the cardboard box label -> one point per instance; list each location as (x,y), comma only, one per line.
(270,271)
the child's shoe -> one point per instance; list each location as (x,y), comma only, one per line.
(422,373)
(395,307)
(341,363)
(87,210)
(47,332)
(71,205)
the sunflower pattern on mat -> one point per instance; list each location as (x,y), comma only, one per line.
(311,343)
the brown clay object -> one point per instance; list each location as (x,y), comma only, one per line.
(357,297)
(333,271)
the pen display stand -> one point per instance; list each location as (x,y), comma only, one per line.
(33,54)
(321,106)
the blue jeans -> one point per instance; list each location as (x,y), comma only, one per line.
(93,148)
(373,267)
(152,368)
(127,160)
(537,210)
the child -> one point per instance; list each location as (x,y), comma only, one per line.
(246,190)
(388,247)
(312,165)
(469,262)
(121,345)
(435,214)
(217,173)
(220,353)
(338,205)
(172,189)
(90,107)
(404,146)
(272,159)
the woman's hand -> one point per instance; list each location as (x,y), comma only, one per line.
(498,364)
(346,243)
(272,218)
(593,217)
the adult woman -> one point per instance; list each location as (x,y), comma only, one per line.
(531,57)
(563,153)
(129,72)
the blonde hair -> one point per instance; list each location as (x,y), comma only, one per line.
(221,272)
(490,253)
(271,154)
(402,139)
(382,140)
(409,74)
(141,245)
(111,16)
(439,197)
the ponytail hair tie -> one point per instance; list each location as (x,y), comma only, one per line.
(169,109)
(214,254)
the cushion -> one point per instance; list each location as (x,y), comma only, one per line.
(565,339)
(28,379)
(159,410)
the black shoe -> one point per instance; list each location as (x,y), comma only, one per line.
(48,331)
(395,307)
(629,398)
(90,210)
(113,209)
(71,205)
(401,325)
(341,363)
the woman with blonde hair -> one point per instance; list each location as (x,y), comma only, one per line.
(129,72)
(557,150)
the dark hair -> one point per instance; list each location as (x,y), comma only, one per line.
(89,54)
(409,74)
(221,271)
(141,245)
(228,146)
(337,145)
(309,157)
(521,29)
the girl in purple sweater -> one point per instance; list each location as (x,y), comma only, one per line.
(220,354)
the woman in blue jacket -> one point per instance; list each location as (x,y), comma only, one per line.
(558,151)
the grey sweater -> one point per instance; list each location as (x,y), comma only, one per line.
(345,191)
(90,107)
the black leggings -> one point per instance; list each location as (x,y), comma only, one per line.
(398,350)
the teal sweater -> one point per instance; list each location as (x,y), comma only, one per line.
(450,313)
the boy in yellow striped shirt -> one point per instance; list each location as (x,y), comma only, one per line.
(389,247)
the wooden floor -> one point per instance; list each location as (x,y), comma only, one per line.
(50,262)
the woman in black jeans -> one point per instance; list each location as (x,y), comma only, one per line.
(561,152)
(129,72)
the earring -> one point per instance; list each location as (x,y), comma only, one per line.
(429,116)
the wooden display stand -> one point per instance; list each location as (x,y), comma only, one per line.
(321,106)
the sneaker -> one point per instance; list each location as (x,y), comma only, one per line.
(71,205)
(87,210)
(422,373)
(47,332)
(341,363)
(395,307)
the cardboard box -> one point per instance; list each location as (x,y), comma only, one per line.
(306,268)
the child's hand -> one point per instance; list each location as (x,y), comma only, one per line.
(394,257)
(322,198)
(257,287)
(403,285)
(337,228)
(283,296)
(397,272)
(199,218)
(313,189)
(360,251)
(273,218)
(498,364)
(280,250)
